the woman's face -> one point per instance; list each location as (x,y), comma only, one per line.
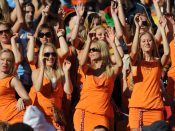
(94,52)
(146,43)
(100,34)
(5,34)
(5,62)
(50,56)
(45,36)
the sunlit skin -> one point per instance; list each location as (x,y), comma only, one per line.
(146,43)
(100,34)
(5,36)
(46,39)
(50,61)
(5,62)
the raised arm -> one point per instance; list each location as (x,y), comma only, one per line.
(45,13)
(165,56)
(38,10)
(68,88)
(30,48)
(118,64)
(19,16)
(118,28)
(38,75)
(63,50)
(135,44)
(16,49)
(79,11)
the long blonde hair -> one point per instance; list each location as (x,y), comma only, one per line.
(105,55)
(56,66)
(12,68)
(4,10)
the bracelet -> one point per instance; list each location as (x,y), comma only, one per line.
(60,36)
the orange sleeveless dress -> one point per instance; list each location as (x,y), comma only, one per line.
(94,107)
(146,103)
(8,111)
(46,98)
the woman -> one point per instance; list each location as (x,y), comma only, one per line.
(8,40)
(11,110)
(146,105)
(97,75)
(50,82)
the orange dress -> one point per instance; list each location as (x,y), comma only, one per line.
(94,107)
(171,72)
(146,103)
(8,111)
(46,98)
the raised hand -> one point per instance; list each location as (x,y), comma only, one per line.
(61,13)
(137,20)
(14,37)
(110,36)
(45,11)
(79,10)
(162,22)
(114,6)
(30,36)
(66,65)
(60,32)
(20,104)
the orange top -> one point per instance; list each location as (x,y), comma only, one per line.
(33,67)
(172,54)
(8,111)
(146,91)
(95,97)
(47,97)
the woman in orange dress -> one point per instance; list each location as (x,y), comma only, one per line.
(11,110)
(146,105)
(50,81)
(97,75)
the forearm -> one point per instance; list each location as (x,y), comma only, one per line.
(157,8)
(16,52)
(119,48)
(63,46)
(42,21)
(134,48)
(19,12)
(118,27)
(121,13)
(75,29)
(30,50)
(68,88)
(84,54)
(165,42)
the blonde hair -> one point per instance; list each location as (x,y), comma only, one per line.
(12,68)
(56,66)
(4,10)
(155,53)
(105,55)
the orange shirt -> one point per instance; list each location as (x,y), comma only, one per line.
(95,97)
(171,71)
(146,91)
(47,97)
(8,111)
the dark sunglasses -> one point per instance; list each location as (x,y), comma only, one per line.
(7,31)
(47,54)
(47,34)
(94,50)
(145,23)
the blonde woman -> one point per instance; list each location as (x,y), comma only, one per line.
(11,110)
(50,81)
(97,75)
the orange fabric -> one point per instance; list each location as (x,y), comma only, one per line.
(33,67)
(46,98)
(171,72)
(95,96)
(90,120)
(146,91)
(8,111)
(148,118)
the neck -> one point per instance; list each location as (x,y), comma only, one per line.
(3,75)
(147,56)
(96,64)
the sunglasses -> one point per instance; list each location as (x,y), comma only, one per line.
(7,31)
(47,34)
(145,23)
(94,50)
(47,54)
